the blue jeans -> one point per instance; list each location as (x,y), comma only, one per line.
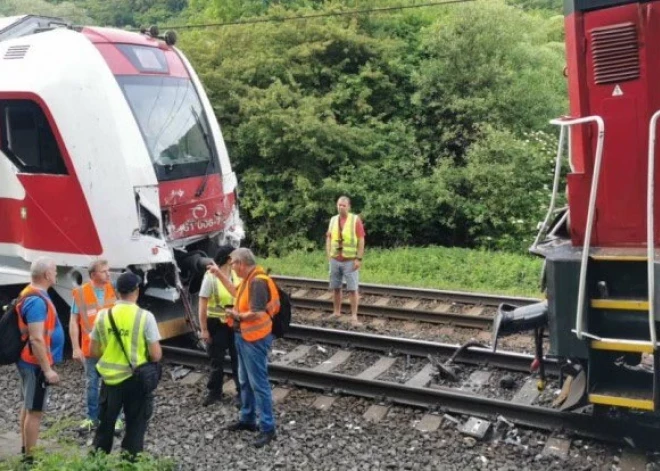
(92,380)
(256,395)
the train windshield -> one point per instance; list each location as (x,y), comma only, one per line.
(173,124)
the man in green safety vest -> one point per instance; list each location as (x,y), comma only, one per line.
(138,331)
(214,300)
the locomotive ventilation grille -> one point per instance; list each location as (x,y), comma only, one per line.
(16,52)
(615,53)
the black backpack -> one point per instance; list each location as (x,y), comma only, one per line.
(11,341)
(282,319)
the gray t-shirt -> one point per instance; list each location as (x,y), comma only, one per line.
(259,295)
(151,332)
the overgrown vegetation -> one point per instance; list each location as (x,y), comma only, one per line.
(434,120)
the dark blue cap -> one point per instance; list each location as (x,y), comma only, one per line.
(128,282)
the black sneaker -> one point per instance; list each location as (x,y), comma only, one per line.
(264,439)
(238,425)
(212,398)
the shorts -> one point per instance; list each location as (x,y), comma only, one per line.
(340,271)
(34,389)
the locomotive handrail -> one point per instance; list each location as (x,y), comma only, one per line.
(650,228)
(565,122)
(555,188)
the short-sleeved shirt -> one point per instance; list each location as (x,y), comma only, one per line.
(207,289)
(100,295)
(359,232)
(259,295)
(34,309)
(151,332)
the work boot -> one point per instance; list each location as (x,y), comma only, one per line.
(238,425)
(264,439)
(212,398)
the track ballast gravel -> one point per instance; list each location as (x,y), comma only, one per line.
(335,439)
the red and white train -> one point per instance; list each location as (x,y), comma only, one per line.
(109,148)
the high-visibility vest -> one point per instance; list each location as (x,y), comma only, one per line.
(220,298)
(49,326)
(88,308)
(259,327)
(347,239)
(130,320)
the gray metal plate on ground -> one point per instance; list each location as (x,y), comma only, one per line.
(279,394)
(376,413)
(422,378)
(378,368)
(429,423)
(296,354)
(333,362)
(528,393)
(632,460)
(326,296)
(476,428)
(191,378)
(557,447)
(300,293)
(324,402)
(476,381)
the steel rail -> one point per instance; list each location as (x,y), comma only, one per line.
(406,292)
(449,400)
(419,348)
(402,313)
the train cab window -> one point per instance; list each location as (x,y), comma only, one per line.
(27,139)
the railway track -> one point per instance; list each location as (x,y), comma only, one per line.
(461,309)
(420,389)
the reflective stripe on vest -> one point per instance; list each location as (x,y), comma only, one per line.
(112,365)
(88,308)
(49,326)
(220,298)
(348,239)
(259,327)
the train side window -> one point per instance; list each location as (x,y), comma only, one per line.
(27,138)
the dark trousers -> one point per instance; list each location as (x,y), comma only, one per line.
(222,339)
(138,407)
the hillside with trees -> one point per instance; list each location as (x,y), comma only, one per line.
(433,119)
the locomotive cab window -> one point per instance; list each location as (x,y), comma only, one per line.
(27,139)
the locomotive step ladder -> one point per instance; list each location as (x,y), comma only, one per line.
(617,336)
(618,332)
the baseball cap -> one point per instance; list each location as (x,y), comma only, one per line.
(128,282)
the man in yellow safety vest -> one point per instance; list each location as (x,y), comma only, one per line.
(214,300)
(138,331)
(344,247)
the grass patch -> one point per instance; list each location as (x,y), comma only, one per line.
(76,459)
(429,267)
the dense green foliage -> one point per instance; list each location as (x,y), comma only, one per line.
(434,120)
